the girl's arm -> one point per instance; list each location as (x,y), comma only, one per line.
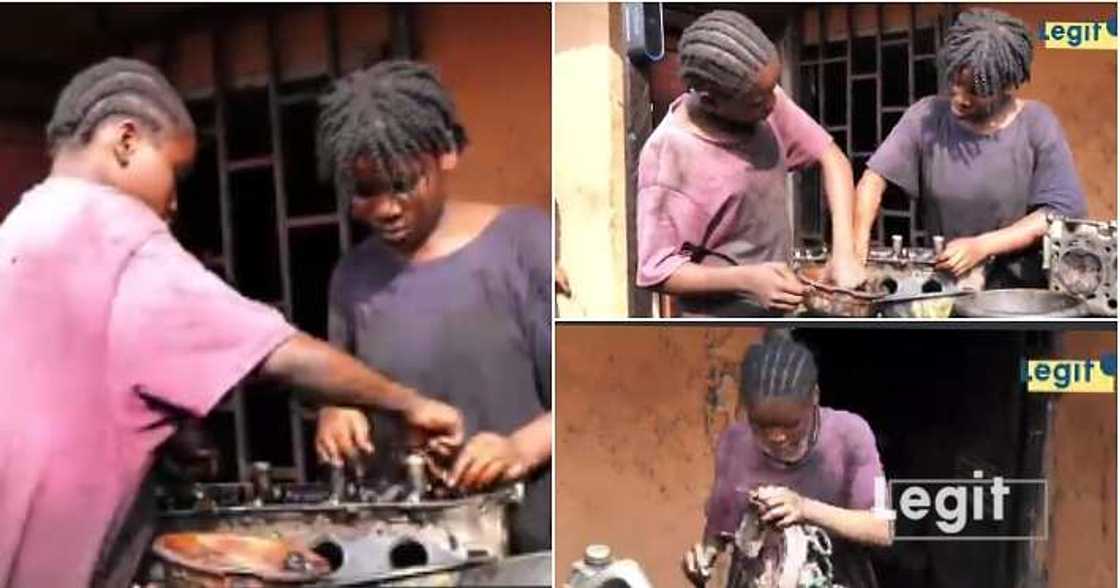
(963,254)
(847,271)
(862,526)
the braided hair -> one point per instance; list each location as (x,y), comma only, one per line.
(394,113)
(995,46)
(115,87)
(779,367)
(724,52)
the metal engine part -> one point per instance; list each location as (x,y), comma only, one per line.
(894,271)
(798,556)
(384,535)
(1080,256)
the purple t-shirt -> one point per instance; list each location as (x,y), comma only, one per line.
(111,332)
(472,328)
(840,470)
(967,183)
(727,194)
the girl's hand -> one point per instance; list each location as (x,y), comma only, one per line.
(342,435)
(488,458)
(845,271)
(963,254)
(780,505)
(698,562)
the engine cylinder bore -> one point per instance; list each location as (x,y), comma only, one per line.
(1081,272)
(332,552)
(408,553)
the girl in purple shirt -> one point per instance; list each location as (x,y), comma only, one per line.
(984,166)
(802,463)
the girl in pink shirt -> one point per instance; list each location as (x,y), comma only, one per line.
(713,218)
(112,331)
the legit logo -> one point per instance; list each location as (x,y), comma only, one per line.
(1079,35)
(1070,375)
(969,509)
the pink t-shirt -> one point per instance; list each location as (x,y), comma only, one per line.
(111,331)
(728,196)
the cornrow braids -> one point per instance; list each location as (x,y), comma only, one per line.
(115,87)
(995,46)
(778,368)
(394,113)
(724,51)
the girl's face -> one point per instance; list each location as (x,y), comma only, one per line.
(149,166)
(965,101)
(783,428)
(402,213)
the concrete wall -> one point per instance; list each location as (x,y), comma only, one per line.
(639,409)
(589,131)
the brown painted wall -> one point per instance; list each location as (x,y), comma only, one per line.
(497,60)
(1082,546)
(638,409)
(633,444)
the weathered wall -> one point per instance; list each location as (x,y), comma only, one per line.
(589,148)
(495,58)
(1082,546)
(638,409)
(634,442)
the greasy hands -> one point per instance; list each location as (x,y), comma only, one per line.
(845,271)
(487,459)
(342,435)
(439,424)
(698,562)
(780,506)
(961,255)
(774,285)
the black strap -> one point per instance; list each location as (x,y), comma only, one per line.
(697,253)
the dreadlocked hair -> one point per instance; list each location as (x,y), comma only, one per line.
(724,51)
(779,367)
(994,45)
(115,87)
(394,113)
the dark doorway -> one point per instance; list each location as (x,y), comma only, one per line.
(942,404)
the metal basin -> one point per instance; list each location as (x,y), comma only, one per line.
(829,300)
(1020,303)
